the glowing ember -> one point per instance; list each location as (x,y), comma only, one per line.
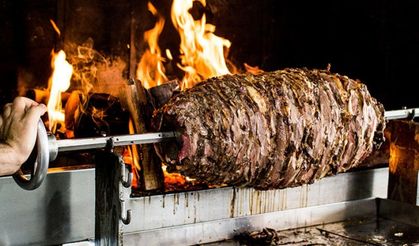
(171,179)
(56,29)
(150,70)
(58,82)
(202,52)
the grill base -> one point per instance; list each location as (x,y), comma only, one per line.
(378,229)
(62,209)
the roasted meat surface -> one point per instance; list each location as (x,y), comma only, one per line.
(273,130)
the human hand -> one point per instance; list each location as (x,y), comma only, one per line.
(18,130)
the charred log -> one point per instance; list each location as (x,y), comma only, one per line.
(159,95)
(273,130)
(150,172)
(42,95)
(101,115)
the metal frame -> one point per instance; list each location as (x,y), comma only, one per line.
(62,210)
(211,215)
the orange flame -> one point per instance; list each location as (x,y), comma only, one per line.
(56,29)
(150,69)
(202,52)
(171,179)
(58,82)
(132,157)
(253,70)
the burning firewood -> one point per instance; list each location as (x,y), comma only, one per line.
(42,95)
(273,130)
(148,165)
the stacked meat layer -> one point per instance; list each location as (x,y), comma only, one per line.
(273,130)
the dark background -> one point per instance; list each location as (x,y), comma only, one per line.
(374,41)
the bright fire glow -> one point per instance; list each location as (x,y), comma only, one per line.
(171,179)
(150,69)
(202,52)
(58,82)
(133,157)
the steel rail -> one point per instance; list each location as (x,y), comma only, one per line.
(401,114)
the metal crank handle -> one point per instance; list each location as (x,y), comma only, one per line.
(47,148)
(40,168)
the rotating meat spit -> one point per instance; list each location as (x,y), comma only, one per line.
(48,147)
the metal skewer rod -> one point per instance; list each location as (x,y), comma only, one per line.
(148,138)
(401,114)
(102,142)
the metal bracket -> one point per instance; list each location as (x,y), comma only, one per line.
(126,181)
(110,144)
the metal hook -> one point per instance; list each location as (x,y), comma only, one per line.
(127,218)
(125,168)
(127,183)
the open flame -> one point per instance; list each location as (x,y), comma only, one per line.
(202,52)
(202,56)
(58,82)
(150,69)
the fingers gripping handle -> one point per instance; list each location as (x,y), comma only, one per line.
(40,169)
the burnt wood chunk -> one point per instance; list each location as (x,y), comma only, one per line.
(101,115)
(273,130)
(404,161)
(159,95)
(151,174)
